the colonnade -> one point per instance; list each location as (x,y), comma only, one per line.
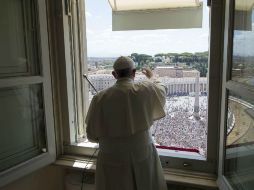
(185,85)
(175,86)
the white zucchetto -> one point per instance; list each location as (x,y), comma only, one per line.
(123,62)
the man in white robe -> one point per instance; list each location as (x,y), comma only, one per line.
(119,119)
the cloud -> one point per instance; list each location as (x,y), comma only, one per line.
(89,31)
(204,35)
(102,41)
(108,43)
(88,14)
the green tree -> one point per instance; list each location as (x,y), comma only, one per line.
(141,59)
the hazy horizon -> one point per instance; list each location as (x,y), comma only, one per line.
(141,53)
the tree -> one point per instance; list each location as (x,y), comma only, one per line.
(141,59)
(202,68)
(157,59)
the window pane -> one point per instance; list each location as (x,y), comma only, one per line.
(239,168)
(243,46)
(22,132)
(18,47)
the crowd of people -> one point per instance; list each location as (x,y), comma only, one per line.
(180,128)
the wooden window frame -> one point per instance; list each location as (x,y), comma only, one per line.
(44,79)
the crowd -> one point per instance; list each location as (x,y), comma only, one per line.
(180,128)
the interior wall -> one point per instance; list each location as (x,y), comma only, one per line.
(181,187)
(53,178)
(48,178)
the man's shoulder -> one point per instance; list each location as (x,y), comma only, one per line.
(104,92)
(152,85)
(144,83)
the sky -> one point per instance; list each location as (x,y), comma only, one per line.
(103,42)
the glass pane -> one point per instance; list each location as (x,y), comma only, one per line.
(18,47)
(239,168)
(243,43)
(22,132)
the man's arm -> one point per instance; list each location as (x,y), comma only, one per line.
(158,84)
(159,97)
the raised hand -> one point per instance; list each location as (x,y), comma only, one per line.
(147,72)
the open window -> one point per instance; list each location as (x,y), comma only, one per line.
(237,120)
(27,140)
(187,83)
(184,74)
(25,80)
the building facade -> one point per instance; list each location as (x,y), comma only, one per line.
(175,86)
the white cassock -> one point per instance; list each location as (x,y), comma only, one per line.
(119,119)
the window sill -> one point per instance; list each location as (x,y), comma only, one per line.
(161,152)
(77,162)
(180,154)
(190,178)
(172,176)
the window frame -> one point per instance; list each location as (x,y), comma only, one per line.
(44,79)
(222,182)
(208,165)
(228,85)
(73,54)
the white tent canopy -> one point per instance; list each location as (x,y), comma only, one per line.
(246,5)
(129,5)
(156,14)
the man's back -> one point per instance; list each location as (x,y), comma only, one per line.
(127,108)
